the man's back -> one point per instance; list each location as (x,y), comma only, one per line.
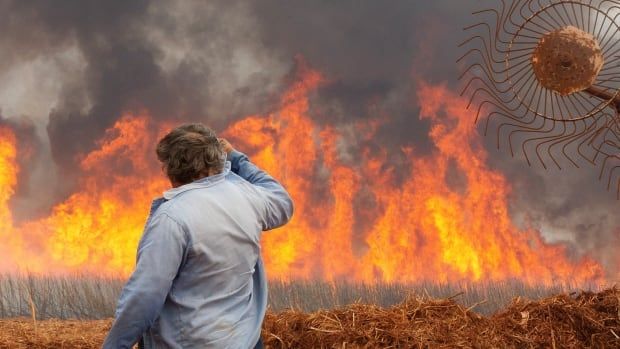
(211,301)
(199,280)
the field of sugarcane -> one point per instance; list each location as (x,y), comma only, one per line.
(76,312)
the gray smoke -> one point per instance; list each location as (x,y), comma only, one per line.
(74,67)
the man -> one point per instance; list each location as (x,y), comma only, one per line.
(199,280)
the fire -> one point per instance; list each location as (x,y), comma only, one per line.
(447,220)
(97,228)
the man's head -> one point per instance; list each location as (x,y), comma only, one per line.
(190,152)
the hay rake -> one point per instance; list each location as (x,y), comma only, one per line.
(545,75)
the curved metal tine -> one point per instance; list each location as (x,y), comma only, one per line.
(473,37)
(525,17)
(499,114)
(510,116)
(486,89)
(491,92)
(604,102)
(598,137)
(585,109)
(545,140)
(601,103)
(613,3)
(553,6)
(560,139)
(574,136)
(607,52)
(574,133)
(612,54)
(553,126)
(589,17)
(490,62)
(604,42)
(580,25)
(601,25)
(473,78)
(593,132)
(611,132)
(542,11)
(499,20)
(606,38)
(523,124)
(575,108)
(484,24)
(511,112)
(566,12)
(596,108)
(518,125)
(584,134)
(489,77)
(513,11)
(548,29)
(487,46)
(485,67)
(491,39)
(517,81)
(601,131)
(496,101)
(611,175)
(613,72)
(612,144)
(578,111)
(562,114)
(611,170)
(605,86)
(520,105)
(528,130)
(596,18)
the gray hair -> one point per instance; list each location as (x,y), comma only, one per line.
(190,152)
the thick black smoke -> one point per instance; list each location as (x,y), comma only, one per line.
(90,61)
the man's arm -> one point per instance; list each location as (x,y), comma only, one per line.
(160,255)
(279,205)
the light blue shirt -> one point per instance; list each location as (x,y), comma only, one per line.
(199,280)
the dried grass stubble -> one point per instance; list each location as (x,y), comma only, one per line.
(590,320)
(20,333)
(414,323)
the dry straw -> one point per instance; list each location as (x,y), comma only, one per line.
(590,320)
(587,320)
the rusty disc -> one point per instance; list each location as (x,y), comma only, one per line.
(567,60)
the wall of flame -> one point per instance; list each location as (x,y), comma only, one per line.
(419,228)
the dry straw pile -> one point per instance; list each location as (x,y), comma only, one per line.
(24,333)
(589,320)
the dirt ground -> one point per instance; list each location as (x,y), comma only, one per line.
(587,320)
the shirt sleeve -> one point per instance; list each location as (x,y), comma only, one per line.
(278,203)
(160,254)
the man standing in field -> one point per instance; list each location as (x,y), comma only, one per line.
(199,280)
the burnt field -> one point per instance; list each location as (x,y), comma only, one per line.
(75,312)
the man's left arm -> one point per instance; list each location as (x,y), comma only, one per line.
(160,255)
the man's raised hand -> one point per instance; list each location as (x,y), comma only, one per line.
(228,148)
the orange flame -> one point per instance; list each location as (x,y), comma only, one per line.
(97,228)
(421,228)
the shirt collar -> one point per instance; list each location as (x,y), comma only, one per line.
(201,183)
